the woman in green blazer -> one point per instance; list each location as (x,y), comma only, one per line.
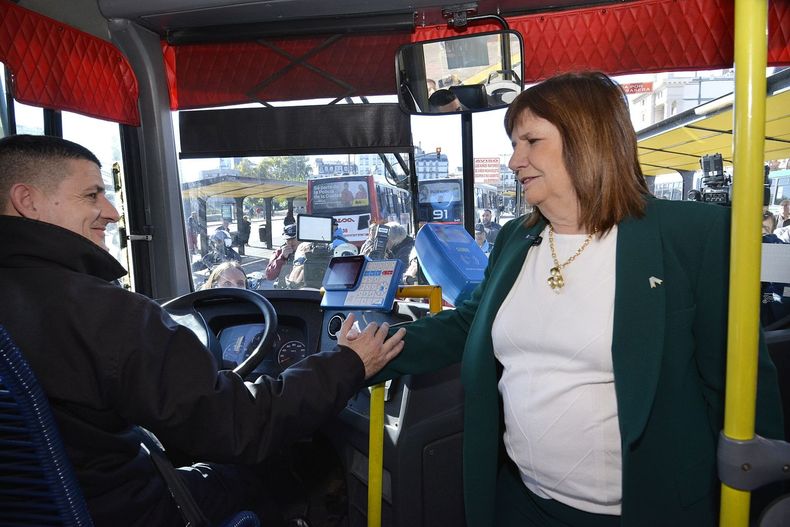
(593,353)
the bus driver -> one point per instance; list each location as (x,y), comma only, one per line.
(111,360)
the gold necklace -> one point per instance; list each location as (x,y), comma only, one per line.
(555,279)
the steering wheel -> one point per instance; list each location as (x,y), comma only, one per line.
(186,305)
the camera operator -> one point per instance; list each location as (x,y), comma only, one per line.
(282,262)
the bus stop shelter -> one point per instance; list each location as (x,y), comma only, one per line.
(238,188)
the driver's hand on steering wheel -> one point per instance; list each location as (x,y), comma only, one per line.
(371,344)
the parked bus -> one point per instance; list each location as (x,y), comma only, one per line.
(487,197)
(358,201)
(440,200)
(164,92)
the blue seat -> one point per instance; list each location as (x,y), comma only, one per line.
(37,482)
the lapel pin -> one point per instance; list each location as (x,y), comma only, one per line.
(654,282)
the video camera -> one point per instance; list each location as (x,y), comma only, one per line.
(716,185)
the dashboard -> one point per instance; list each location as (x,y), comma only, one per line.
(237,342)
(232,328)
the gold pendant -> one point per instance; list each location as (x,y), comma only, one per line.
(555,280)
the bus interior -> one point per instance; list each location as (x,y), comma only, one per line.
(237,111)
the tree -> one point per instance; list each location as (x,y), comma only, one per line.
(284,168)
(246,168)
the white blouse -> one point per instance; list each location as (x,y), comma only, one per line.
(561,425)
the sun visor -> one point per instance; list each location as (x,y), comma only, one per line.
(295,130)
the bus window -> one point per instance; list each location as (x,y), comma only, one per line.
(381,198)
(487,197)
(440,200)
(495,184)
(29,119)
(103,138)
(780,188)
(254,198)
(373,200)
(406,210)
(438,159)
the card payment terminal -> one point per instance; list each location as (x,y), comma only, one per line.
(357,282)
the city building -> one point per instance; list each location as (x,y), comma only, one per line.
(334,168)
(373,164)
(667,94)
(430,165)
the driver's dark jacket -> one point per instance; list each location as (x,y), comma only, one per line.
(109,359)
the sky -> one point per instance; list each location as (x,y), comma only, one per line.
(489,137)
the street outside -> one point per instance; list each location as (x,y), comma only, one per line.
(256,256)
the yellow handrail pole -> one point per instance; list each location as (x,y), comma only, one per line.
(376,455)
(376,434)
(751,43)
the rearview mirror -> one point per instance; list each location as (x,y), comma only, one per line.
(471,72)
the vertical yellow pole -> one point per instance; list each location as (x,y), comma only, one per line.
(751,42)
(376,455)
(376,435)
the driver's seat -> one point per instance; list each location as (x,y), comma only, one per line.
(37,482)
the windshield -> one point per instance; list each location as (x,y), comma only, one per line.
(246,210)
(240,209)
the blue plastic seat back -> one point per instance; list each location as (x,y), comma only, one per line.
(243,519)
(37,482)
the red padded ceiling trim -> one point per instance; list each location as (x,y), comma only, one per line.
(632,37)
(59,67)
(216,74)
(169,56)
(779,33)
(644,36)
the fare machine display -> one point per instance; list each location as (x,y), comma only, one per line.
(356,282)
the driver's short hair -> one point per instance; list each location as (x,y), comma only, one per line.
(441,98)
(37,160)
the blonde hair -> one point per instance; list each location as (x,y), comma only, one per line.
(216,273)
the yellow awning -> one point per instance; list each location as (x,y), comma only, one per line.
(679,142)
(231,186)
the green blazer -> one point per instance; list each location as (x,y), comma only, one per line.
(668,350)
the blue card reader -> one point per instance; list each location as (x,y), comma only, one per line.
(357,282)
